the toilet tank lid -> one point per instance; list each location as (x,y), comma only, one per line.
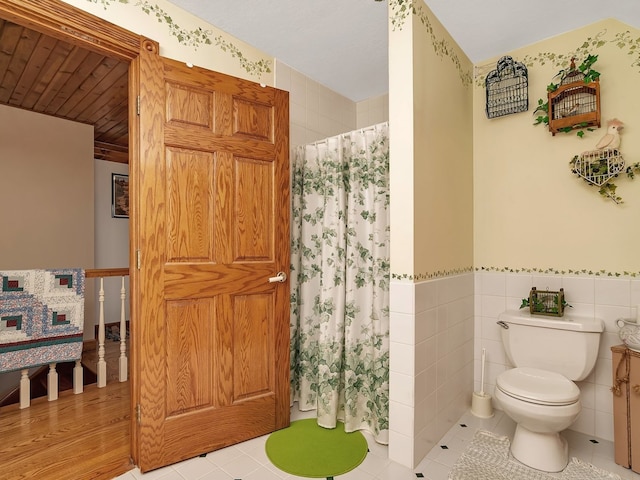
(567,322)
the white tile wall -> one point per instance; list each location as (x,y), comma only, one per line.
(372,111)
(316,112)
(432,326)
(606,298)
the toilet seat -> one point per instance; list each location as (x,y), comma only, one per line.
(538,386)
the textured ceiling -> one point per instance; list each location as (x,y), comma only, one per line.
(342,44)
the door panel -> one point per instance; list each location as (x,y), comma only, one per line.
(190,203)
(213,227)
(189,355)
(253,206)
(253,345)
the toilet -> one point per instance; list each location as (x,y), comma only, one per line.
(539,394)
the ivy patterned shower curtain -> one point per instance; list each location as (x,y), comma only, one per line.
(340,280)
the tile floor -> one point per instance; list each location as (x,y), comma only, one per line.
(248,461)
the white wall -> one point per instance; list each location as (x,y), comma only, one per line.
(111,240)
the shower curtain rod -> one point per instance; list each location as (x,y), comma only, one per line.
(346,134)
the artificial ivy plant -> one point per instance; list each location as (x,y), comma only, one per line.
(608,189)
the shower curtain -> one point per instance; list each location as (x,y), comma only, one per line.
(340,280)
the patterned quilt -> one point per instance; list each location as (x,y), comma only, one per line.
(41,317)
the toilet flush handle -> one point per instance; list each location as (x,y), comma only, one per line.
(503,324)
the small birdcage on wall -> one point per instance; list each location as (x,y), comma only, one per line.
(507,88)
(575,103)
(597,167)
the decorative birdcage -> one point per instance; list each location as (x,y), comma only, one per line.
(546,302)
(574,104)
(507,88)
(597,167)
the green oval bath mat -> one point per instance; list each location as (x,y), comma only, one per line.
(307,450)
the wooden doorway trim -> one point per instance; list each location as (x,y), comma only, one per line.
(75,26)
(68,23)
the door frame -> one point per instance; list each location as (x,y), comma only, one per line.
(78,27)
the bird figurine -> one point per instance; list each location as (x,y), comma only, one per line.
(570,111)
(611,141)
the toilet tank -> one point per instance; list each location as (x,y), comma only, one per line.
(567,345)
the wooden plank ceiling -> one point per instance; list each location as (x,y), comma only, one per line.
(49,76)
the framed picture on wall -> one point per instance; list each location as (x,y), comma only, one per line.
(119,195)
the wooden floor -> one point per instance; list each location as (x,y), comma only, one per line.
(77,437)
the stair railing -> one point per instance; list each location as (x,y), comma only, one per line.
(52,376)
(101,274)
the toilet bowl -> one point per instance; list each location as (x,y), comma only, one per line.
(542,403)
(539,393)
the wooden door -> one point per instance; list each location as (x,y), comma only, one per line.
(211,223)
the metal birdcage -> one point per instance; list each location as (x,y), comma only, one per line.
(507,88)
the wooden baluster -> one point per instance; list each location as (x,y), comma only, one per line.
(25,389)
(52,383)
(78,380)
(102,365)
(122,371)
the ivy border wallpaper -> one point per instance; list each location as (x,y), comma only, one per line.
(197,37)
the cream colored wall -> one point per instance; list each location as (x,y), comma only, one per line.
(531,212)
(431,296)
(443,158)
(430,110)
(47,193)
(46,189)
(130,15)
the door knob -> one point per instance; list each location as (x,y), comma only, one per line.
(280,277)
